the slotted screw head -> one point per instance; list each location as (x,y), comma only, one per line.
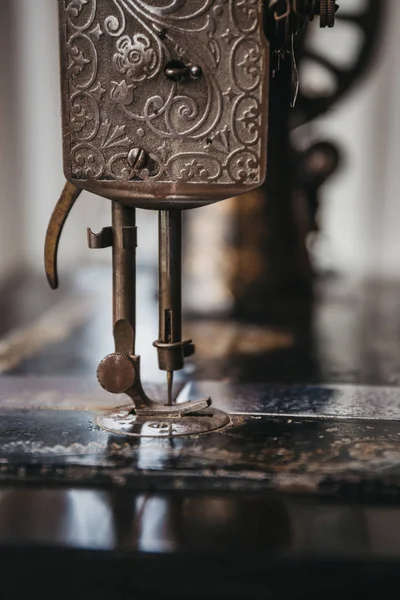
(137,158)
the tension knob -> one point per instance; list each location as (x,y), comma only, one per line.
(116,373)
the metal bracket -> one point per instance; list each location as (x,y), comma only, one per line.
(103,239)
(129,238)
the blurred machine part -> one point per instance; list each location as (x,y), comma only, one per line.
(275,226)
(265,273)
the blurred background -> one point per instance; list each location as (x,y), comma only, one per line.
(356,209)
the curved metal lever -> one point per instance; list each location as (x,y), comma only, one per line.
(69,196)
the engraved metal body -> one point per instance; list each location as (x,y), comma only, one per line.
(165,106)
(183,82)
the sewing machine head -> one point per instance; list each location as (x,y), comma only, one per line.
(165,106)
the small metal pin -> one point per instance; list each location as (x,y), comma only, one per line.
(170,381)
(295,76)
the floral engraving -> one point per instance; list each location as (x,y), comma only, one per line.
(117,97)
(122,93)
(135,57)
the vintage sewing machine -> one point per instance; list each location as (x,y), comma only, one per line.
(165,107)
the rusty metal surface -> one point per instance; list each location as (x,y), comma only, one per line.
(69,196)
(323,455)
(152,120)
(125,422)
(256,453)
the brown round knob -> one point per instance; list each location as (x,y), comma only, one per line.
(116,373)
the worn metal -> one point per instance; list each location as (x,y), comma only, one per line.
(344,402)
(328,10)
(101,240)
(69,196)
(152,120)
(170,346)
(315,456)
(116,373)
(205,136)
(188,127)
(124,280)
(120,372)
(125,421)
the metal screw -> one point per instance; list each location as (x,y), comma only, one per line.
(137,158)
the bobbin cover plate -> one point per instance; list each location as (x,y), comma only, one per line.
(164,101)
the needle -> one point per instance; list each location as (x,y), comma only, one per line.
(170,381)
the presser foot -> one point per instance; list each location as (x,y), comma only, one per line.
(125,421)
(120,373)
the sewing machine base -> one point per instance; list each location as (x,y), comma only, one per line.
(124,421)
(306,481)
(338,441)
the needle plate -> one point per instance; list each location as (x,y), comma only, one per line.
(123,421)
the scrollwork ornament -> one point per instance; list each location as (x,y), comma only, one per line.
(87,162)
(82,65)
(84,117)
(115,26)
(207,130)
(245,15)
(248,66)
(118,167)
(244,166)
(246,119)
(80,13)
(195,168)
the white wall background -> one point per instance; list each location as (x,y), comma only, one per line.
(11,246)
(360,213)
(361,206)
